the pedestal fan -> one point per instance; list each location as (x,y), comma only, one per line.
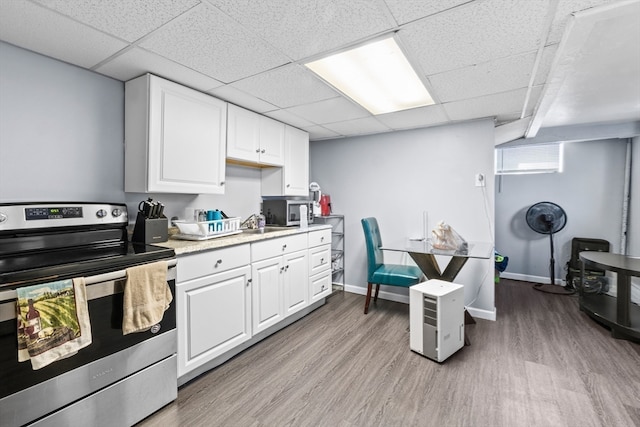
(548,218)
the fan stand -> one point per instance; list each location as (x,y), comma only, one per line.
(552,288)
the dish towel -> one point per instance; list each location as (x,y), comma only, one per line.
(146,297)
(53,321)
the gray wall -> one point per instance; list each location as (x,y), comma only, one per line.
(62,139)
(396,177)
(61,131)
(589,189)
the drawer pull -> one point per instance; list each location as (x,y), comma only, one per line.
(218,262)
(322,239)
(284,247)
(321,260)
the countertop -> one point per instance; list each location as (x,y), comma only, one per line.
(182,247)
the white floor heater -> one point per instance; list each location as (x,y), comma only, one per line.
(436,318)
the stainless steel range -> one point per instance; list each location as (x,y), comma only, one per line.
(117,379)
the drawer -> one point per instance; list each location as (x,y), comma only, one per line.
(320,285)
(319,259)
(320,237)
(279,246)
(210,262)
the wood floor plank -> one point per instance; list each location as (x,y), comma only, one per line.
(542,363)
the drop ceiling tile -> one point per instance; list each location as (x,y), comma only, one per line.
(289,118)
(126,19)
(414,118)
(33,27)
(564,11)
(303,28)
(318,132)
(362,126)
(406,11)
(474,33)
(242,99)
(329,111)
(210,42)
(486,106)
(136,62)
(287,86)
(500,75)
(534,97)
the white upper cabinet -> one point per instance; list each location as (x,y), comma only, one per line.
(254,138)
(293,178)
(175,138)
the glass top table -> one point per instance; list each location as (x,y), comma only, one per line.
(424,255)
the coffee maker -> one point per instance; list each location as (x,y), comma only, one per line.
(314,188)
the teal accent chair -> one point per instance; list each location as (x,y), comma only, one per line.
(377,271)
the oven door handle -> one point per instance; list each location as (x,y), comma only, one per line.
(102,285)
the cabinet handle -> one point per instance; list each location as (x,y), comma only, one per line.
(321,260)
(281,269)
(288,185)
(262,151)
(222,183)
(284,247)
(257,150)
(248,282)
(322,239)
(217,263)
(286,267)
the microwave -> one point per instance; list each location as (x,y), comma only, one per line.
(285,212)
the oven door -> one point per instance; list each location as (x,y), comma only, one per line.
(27,395)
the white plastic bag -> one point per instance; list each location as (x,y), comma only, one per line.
(446,238)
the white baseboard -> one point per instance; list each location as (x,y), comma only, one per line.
(528,278)
(483,314)
(404,299)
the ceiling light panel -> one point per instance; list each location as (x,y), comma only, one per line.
(376,75)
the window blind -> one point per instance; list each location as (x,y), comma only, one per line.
(541,158)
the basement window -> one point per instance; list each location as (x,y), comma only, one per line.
(529,159)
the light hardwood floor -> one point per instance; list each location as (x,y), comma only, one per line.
(542,363)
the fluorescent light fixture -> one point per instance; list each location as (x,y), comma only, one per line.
(376,75)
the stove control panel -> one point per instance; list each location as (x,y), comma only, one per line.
(24,216)
(31,214)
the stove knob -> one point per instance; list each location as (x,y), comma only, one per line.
(116,212)
(3,217)
(101,213)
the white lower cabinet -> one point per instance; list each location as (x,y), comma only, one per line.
(226,296)
(280,284)
(214,310)
(320,284)
(295,281)
(267,293)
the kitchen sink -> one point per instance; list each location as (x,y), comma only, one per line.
(266,230)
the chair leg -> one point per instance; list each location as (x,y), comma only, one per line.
(375,297)
(366,301)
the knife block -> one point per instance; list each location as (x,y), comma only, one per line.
(150,230)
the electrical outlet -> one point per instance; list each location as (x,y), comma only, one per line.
(480,180)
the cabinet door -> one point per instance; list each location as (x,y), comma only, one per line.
(271,142)
(267,296)
(243,135)
(296,280)
(296,162)
(213,316)
(187,134)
